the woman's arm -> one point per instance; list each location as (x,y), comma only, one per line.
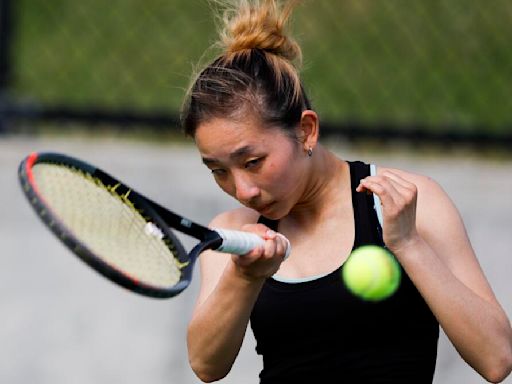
(424,230)
(229,288)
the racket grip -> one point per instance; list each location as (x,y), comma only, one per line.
(240,243)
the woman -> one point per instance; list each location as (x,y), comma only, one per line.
(255,129)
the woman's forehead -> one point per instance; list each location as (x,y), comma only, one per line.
(235,131)
(233,138)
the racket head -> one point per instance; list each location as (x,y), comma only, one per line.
(109,226)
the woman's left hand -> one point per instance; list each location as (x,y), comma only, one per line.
(398,198)
(436,254)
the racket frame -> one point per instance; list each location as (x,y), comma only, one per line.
(160,216)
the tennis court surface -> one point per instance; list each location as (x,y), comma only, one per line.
(62,323)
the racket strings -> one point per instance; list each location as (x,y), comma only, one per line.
(107,223)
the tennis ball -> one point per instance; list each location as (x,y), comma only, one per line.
(371,273)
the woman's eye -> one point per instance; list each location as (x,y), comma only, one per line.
(218,172)
(253,162)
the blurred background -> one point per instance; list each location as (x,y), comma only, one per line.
(424,85)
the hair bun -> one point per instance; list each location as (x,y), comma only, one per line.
(259,24)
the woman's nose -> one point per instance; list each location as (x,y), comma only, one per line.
(245,189)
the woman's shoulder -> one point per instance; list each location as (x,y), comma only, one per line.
(435,208)
(235,218)
(422,182)
(431,195)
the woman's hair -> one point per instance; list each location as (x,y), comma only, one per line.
(256,73)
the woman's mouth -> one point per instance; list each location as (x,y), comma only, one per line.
(264,207)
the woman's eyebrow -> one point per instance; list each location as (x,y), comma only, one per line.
(237,154)
(241,152)
(208,161)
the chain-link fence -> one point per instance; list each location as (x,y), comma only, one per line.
(414,66)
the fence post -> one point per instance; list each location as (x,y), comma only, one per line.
(5,57)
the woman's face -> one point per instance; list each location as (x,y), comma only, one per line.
(261,167)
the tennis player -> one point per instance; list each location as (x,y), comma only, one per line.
(258,134)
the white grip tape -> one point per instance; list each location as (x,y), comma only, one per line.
(240,243)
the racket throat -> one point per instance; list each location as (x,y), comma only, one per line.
(212,240)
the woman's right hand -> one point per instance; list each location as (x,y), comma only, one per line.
(230,285)
(262,262)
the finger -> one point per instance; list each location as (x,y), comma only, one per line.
(382,188)
(259,229)
(270,234)
(390,175)
(361,187)
(278,247)
(399,180)
(250,257)
(367,181)
(398,188)
(408,191)
(270,248)
(284,246)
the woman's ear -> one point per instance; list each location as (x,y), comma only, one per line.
(308,130)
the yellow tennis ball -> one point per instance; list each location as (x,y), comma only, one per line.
(371,273)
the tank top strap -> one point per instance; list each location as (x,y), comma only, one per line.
(368,229)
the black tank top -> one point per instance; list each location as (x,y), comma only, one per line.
(318,332)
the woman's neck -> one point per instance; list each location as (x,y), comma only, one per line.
(327,180)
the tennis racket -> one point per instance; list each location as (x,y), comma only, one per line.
(120,233)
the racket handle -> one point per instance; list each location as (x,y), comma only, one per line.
(240,243)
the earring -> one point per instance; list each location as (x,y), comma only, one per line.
(310,151)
